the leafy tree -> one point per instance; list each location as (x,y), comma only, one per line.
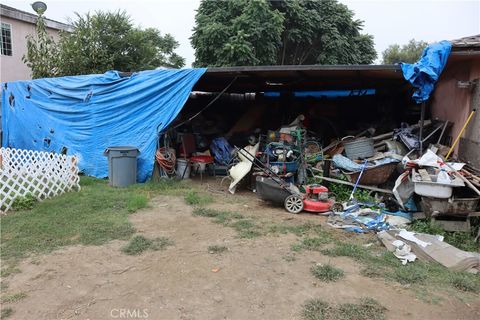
(42,52)
(238,32)
(261,32)
(99,42)
(108,40)
(409,52)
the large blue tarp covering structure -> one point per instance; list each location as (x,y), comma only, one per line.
(424,73)
(88,113)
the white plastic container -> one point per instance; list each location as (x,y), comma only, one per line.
(183,169)
(443,177)
(433,188)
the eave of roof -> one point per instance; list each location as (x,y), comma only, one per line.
(300,77)
(28,17)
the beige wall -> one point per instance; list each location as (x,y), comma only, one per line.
(12,67)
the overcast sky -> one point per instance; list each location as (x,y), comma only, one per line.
(388,21)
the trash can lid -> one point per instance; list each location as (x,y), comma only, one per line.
(123,148)
(120,149)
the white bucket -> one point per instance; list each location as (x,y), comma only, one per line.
(183,169)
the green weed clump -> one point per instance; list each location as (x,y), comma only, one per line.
(327,273)
(194,198)
(14,297)
(24,203)
(216,249)
(366,309)
(136,202)
(139,244)
(6,312)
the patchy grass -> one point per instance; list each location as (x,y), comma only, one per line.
(93,216)
(462,240)
(139,244)
(136,201)
(299,230)
(371,272)
(464,282)
(161,243)
(14,297)
(24,203)
(9,270)
(6,312)
(327,273)
(195,198)
(217,249)
(367,309)
(419,275)
(344,249)
(246,228)
(409,274)
(312,243)
(289,258)
(222,217)
(3,286)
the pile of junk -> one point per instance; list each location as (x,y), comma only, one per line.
(405,172)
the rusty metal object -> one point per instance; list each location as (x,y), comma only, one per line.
(373,176)
(452,207)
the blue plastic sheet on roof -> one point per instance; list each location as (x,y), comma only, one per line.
(425,72)
(88,113)
(324,93)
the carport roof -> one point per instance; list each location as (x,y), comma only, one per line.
(300,77)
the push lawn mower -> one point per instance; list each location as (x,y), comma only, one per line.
(271,187)
(315,199)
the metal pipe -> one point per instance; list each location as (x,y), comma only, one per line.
(422,120)
(443,131)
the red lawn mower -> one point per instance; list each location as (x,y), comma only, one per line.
(315,199)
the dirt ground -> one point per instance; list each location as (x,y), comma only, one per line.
(253,280)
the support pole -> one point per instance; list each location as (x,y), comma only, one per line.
(422,120)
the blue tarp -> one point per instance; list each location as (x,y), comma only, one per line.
(425,72)
(324,93)
(88,113)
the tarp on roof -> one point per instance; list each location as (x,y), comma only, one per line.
(424,73)
(88,113)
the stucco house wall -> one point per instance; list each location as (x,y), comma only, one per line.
(456,95)
(22,24)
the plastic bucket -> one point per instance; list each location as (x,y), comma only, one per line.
(183,169)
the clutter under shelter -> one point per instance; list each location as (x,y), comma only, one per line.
(291,134)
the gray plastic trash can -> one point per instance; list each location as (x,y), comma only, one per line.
(122,165)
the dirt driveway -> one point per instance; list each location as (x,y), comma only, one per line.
(255,279)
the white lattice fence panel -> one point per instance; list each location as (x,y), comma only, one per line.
(41,174)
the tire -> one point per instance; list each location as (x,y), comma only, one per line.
(294,203)
(337,207)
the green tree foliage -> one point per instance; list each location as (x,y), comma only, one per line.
(261,32)
(237,32)
(100,42)
(409,52)
(108,41)
(42,52)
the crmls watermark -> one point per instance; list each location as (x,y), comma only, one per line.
(126,313)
